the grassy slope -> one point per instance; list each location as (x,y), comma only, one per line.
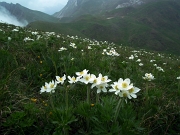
(26,66)
(152,26)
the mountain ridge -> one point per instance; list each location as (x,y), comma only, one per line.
(76,8)
(154,26)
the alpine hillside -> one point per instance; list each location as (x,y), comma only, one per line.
(154,25)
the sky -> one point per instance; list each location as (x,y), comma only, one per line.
(46,6)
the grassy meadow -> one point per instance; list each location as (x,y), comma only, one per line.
(54,84)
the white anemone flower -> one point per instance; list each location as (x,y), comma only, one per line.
(44,88)
(104,79)
(124,84)
(82,73)
(86,79)
(133,92)
(125,94)
(140,64)
(115,88)
(102,87)
(61,79)
(73,79)
(149,77)
(51,86)
(95,81)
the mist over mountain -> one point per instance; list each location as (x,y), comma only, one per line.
(21,16)
(7,17)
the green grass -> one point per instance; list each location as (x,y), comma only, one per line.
(26,66)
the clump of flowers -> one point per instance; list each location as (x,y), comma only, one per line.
(124,88)
(148,77)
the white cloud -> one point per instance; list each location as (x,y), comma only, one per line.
(5,16)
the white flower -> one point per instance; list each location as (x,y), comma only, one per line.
(178,78)
(73,79)
(149,77)
(131,57)
(155,65)
(133,92)
(160,69)
(73,45)
(62,49)
(95,81)
(34,33)
(124,94)
(15,30)
(86,79)
(51,86)
(89,47)
(82,73)
(140,64)
(139,60)
(124,84)
(115,88)
(61,79)
(104,79)
(152,60)
(44,88)
(9,38)
(102,87)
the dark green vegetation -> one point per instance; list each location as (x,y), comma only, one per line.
(26,66)
(154,26)
(23,13)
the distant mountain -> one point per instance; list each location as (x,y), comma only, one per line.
(75,8)
(154,26)
(23,13)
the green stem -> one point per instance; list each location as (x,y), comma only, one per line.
(179,88)
(118,107)
(146,92)
(88,102)
(97,97)
(88,95)
(66,96)
(51,102)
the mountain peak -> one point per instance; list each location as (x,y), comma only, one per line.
(76,8)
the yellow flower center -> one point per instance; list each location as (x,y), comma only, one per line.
(101,87)
(52,86)
(116,87)
(74,79)
(125,95)
(131,90)
(124,85)
(81,73)
(60,79)
(103,79)
(95,81)
(87,78)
